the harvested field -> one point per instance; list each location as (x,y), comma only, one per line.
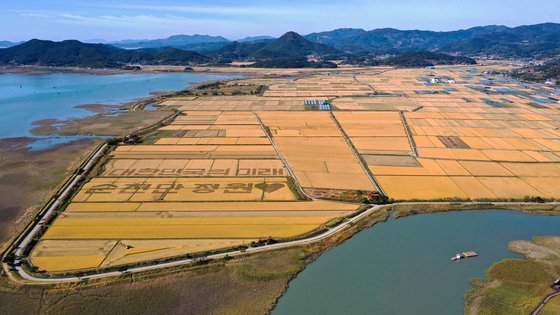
(237,103)
(420,187)
(212,206)
(184,189)
(316,151)
(193,168)
(263,229)
(378,103)
(195,152)
(212,178)
(319,86)
(391,160)
(508,187)
(453,142)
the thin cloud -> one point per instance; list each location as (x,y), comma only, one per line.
(220,10)
(116,20)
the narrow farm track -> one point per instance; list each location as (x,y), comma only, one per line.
(357,155)
(288,168)
(409,134)
(543,303)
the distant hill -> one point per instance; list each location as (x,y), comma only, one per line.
(531,41)
(290,45)
(6,44)
(550,70)
(187,42)
(292,63)
(523,41)
(250,39)
(336,37)
(77,54)
(502,41)
(389,40)
(425,59)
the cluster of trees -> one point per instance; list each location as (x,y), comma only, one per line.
(550,70)
(72,53)
(426,59)
(293,63)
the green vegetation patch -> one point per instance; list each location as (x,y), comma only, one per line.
(152,138)
(226,88)
(518,286)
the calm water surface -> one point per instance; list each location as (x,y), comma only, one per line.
(403,266)
(28,98)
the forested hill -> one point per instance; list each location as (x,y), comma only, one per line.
(72,53)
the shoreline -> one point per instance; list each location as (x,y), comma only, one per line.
(150,69)
(47,127)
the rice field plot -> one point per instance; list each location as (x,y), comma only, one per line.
(204,207)
(420,187)
(319,86)
(193,168)
(54,256)
(375,132)
(101,235)
(194,152)
(374,103)
(240,231)
(214,131)
(316,151)
(239,103)
(185,189)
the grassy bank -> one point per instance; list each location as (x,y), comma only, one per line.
(517,286)
(403,210)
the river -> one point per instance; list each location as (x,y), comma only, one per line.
(27,98)
(403,266)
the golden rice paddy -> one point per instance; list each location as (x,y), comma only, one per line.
(316,151)
(217,182)
(213,179)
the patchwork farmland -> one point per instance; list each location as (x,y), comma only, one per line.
(239,170)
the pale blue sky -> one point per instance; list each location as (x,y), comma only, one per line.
(121,19)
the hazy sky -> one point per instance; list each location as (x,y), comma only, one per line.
(120,19)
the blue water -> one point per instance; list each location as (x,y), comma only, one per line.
(403,266)
(28,98)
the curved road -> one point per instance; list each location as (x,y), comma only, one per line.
(312,239)
(543,303)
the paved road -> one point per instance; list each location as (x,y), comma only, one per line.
(543,303)
(316,238)
(309,240)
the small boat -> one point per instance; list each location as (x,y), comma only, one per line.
(460,256)
(457,257)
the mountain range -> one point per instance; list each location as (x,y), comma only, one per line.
(290,45)
(72,53)
(352,45)
(7,44)
(201,43)
(492,40)
(518,42)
